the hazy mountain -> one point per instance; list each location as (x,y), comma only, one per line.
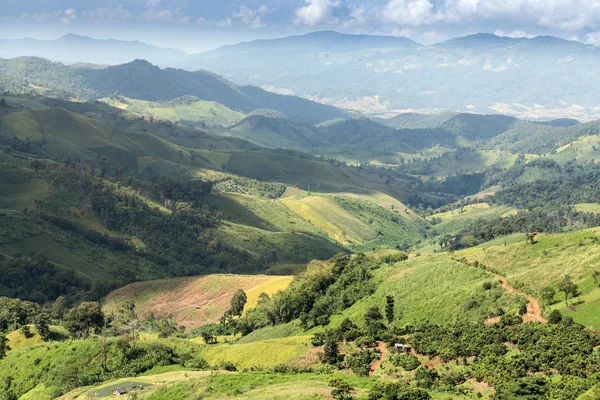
(71,49)
(142,80)
(539,78)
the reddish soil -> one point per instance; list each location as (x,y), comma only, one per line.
(534,311)
(112,136)
(382,348)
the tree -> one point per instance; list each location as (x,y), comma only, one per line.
(596,277)
(530,237)
(330,353)
(42,326)
(555,317)
(26,331)
(373,321)
(389,308)
(208,337)
(547,294)
(568,287)
(83,319)
(4,348)
(238,301)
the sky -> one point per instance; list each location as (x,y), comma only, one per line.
(198,25)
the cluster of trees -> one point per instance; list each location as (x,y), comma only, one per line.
(323,290)
(484,229)
(561,345)
(35,279)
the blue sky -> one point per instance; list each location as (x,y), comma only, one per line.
(196,25)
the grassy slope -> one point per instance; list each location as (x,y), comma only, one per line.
(453,221)
(330,218)
(181,385)
(545,263)
(192,113)
(17,341)
(193,301)
(432,288)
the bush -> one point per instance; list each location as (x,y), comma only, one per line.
(360,362)
(408,362)
(555,317)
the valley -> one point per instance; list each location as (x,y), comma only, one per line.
(175,235)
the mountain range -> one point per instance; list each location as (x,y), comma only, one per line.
(539,78)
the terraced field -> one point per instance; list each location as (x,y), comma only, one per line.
(193,301)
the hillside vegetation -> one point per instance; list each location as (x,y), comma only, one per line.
(192,301)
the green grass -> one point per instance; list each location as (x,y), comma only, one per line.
(588,208)
(338,224)
(266,353)
(17,341)
(545,263)
(194,112)
(57,253)
(454,221)
(276,247)
(584,149)
(432,288)
(472,162)
(394,227)
(252,386)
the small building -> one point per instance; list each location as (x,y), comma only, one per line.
(401,347)
(119,392)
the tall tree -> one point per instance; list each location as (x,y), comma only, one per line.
(238,301)
(42,326)
(4,348)
(389,308)
(568,287)
(83,319)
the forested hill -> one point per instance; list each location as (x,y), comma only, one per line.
(141,80)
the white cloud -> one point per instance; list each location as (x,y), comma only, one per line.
(514,34)
(252,17)
(111,13)
(167,15)
(224,22)
(567,15)
(153,3)
(409,13)
(66,16)
(593,38)
(317,12)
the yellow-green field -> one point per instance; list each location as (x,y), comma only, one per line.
(588,208)
(207,113)
(18,341)
(333,220)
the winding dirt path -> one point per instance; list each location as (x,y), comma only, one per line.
(534,311)
(382,348)
(112,136)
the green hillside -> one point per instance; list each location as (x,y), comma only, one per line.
(534,267)
(187,110)
(141,80)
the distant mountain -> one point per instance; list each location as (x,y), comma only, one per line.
(140,79)
(71,49)
(539,78)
